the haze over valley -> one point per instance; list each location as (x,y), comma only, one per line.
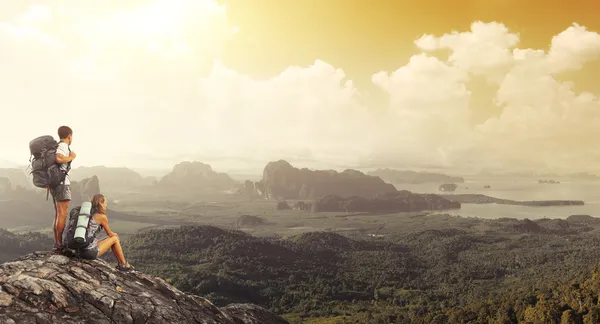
(314,162)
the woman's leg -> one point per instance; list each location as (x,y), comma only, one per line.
(112,243)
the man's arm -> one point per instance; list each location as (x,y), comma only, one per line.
(64,159)
(63,155)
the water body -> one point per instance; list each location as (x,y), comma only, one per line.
(518,189)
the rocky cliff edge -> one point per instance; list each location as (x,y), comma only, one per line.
(44,288)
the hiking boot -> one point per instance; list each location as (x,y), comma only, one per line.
(68,252)
(58,249)
(125,267)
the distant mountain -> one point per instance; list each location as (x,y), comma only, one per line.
(414,177)
(153,173)
(21,207)
(9,164)
(17,177)
(583,176)
(196,176)
(281,180)
(112,178)
(573,176)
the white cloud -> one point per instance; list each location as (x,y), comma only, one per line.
(484,50)
(572,48)
(426,92)
(134,93)
(35,15)
(169,29)
(543,122)
(310,108)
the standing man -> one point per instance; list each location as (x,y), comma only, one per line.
(61,194)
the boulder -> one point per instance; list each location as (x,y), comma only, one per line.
(44,288)
(283,181)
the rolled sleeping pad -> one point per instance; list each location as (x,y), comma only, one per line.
(82,222)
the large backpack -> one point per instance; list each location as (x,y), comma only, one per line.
(77,232)
(46,172)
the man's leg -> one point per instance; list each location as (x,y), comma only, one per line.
(61,219)
(62,198)
(55,213)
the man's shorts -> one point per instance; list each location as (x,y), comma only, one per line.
(62,192)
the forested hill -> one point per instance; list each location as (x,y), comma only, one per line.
(440,269)
(519,271)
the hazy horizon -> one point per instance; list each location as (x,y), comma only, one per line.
(148,84)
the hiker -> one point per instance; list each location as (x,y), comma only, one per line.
(61,194)
(97,221)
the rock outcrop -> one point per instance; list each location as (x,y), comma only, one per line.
(43,288)
(447,187)
(249,189)
(196,176)
(84,190)
(414,177)
(283,181)
(301,205)
(402,201)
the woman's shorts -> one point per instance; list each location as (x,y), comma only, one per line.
(89,254)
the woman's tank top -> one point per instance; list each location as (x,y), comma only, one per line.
(93,232)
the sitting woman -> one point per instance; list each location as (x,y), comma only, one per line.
(97,248)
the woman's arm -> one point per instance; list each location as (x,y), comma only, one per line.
(103,220)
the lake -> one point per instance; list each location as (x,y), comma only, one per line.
(519,189)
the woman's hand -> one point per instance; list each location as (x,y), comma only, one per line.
(113,235)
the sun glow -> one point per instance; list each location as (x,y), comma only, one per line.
(160,20)
(170,28)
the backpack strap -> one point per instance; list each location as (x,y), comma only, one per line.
(68,163)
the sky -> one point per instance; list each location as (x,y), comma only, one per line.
(467,85)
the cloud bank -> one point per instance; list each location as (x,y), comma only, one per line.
(132,84)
